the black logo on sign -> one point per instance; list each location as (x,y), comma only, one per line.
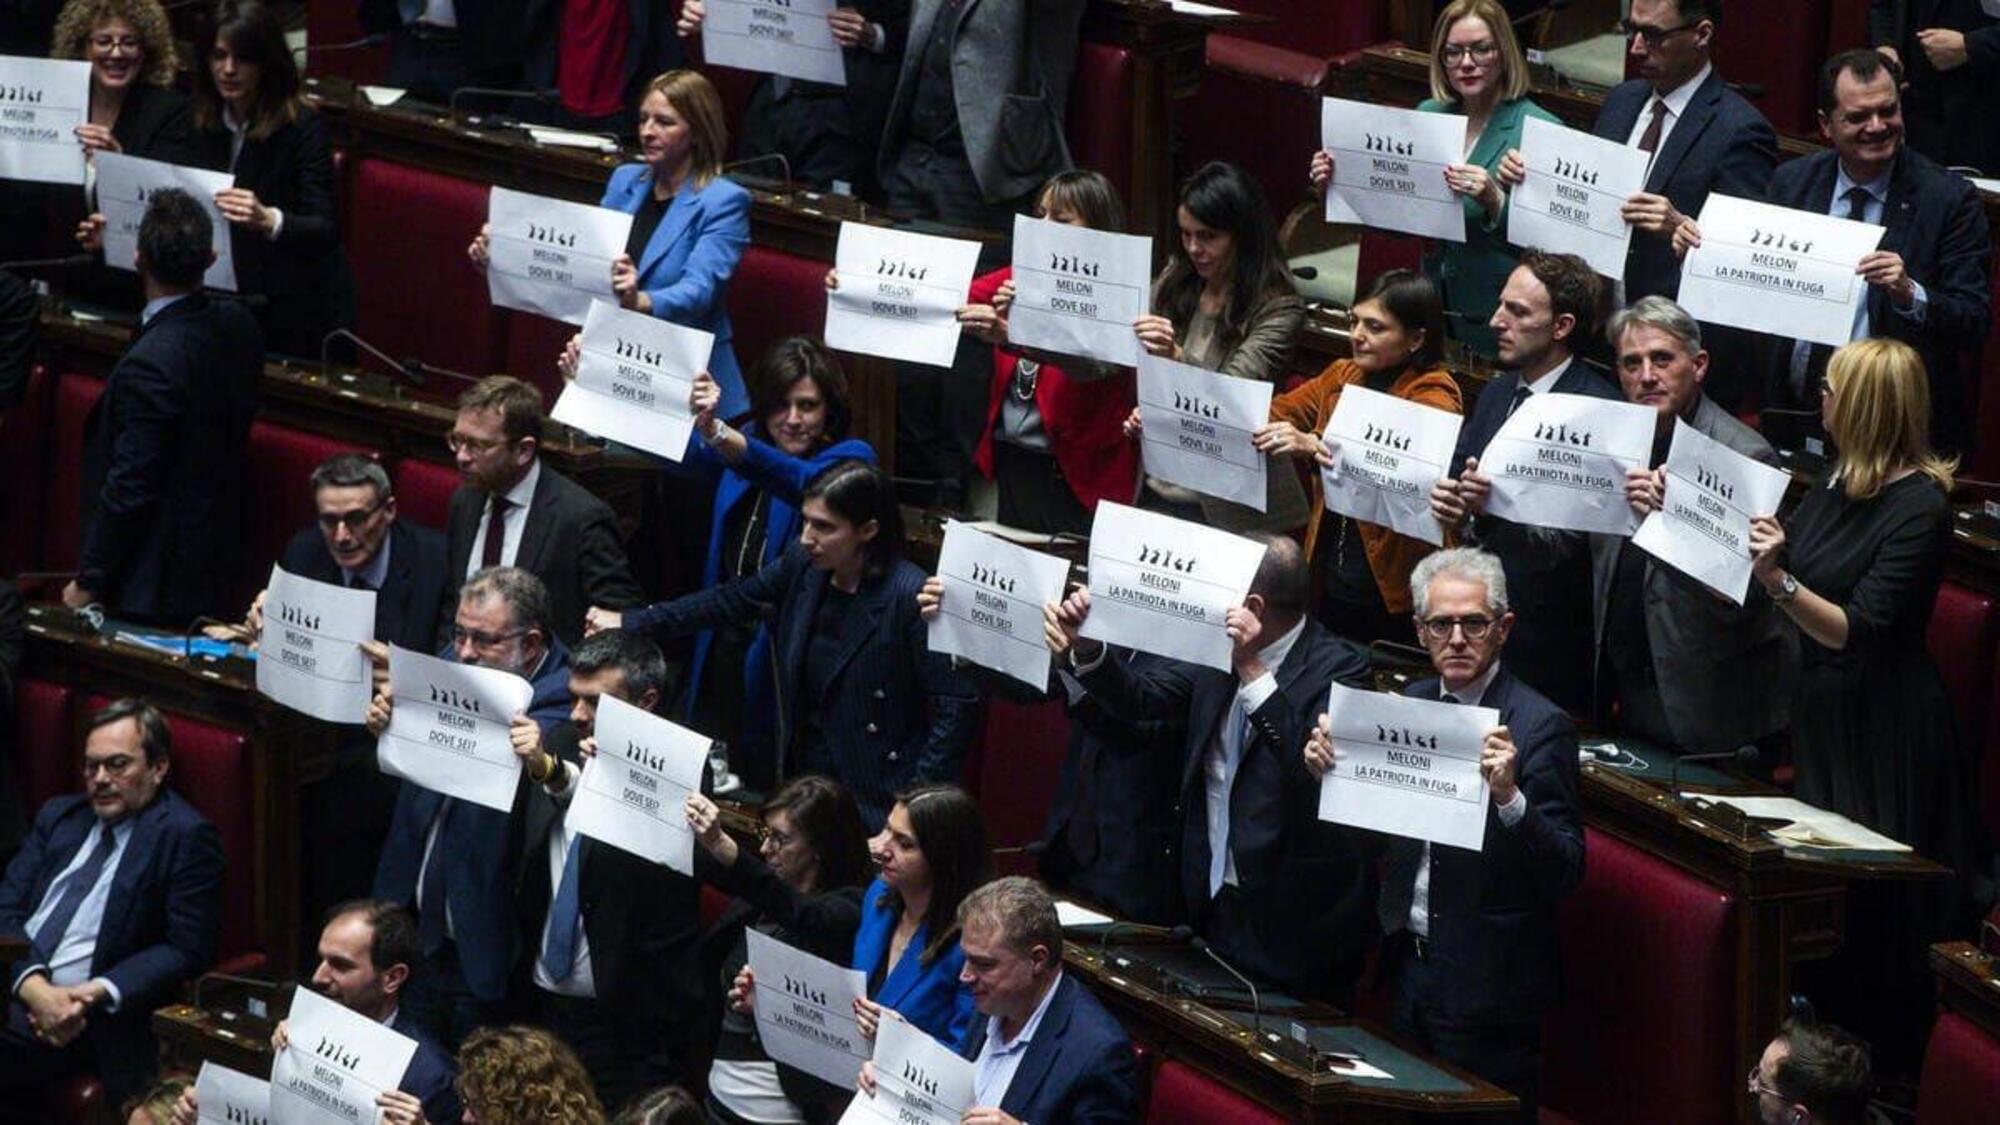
(644,756)
(1571,170)
(1069,263)
(27,95)
(1404,736)
(1561,434)
(987,576)
(551,235)
(1384,436)
(915,1076)
(1705,477)
(452,699)
(335,1051)
(293,615)
(1390,145)
(627,349)
(1167,560)
(890,267)
(240,1115)
(804,991)
(1778,240)
(1189,404)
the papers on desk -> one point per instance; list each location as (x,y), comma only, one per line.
(1409,767)
(448,732)
(1190,8)
(1703,527)
(1388,168)
(1162,585)
(42,101)
(336,1062)
(1388,452)
(1198,426)
(551,256)
(1077,291)
(1572,199)
(311,647)
(231,1097)
(1559,461)
(632,794)
(564,138)
(634,374)
(899,293)
(993,597)
(1810,827)
(1776,270)
(1069,916)
(788,37)
(805,1010)
(125,183)
(1985,185)
(382,97)
(918,1081)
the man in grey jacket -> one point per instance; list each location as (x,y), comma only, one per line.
(1677,663)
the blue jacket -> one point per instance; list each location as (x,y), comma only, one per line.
(430,1075)
(928,996)
(1078,1069)
(783,477)
(160,925)
(686,264)
(482,848)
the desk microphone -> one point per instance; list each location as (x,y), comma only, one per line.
(375,40)
(1306,273)
(767,158)
(1744,756)
(201,985)
(1548,9)
(1256,1001)
(410,369)
(545,97)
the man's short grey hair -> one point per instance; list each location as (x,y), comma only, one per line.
(351,470)
(1659,313)
(1468,563)
(1022,910)
(526,597)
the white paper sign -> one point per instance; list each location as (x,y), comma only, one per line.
(1162,585)
(1776,270)
(448,732)
(1703,526)
(1198,426)
(125,183)
(789,37)
(1388,168)
(805,1010)
(1559,461)
(231,1097)
(899,293)
(993,597)
(633,377)
(1077,291)
(309,656)
(42,101)
(631,795)
(918,1081)
(335,1063)
(1388,453)
(1408,767)
(1572,199)
(551,256)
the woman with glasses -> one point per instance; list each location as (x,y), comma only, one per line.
(1479,72)
(802,886)
(1364,568)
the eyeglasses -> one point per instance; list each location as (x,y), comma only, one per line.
(461,443)
(1439,628)
(1654,36)
(113,766)
(354,520)
(478,639)
(1757,1087)
(1480,52)
(120,43)
(775,838)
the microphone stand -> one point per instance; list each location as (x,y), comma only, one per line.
(1269,1042)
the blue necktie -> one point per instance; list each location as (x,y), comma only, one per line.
(50,936)
(565,917)
(430,918)
(1235,735)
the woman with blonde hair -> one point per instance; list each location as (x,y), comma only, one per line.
(511,1076)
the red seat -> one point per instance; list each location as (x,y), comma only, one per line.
(533,345)
(46,754)
(1983,386)
(437,312)
(24,440)
(278,498)
(1382,251)
(62,501)
(1325,30)
(1781,52)
(774,295)
(1277,88)
(713,903)
(1183,1095)
(1099,118)
(1961,1077)
(423,490)
(329,24)
(1014,773)
(1675,976)
(1963,631)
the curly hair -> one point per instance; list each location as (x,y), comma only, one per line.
(525,1076)
(79,18)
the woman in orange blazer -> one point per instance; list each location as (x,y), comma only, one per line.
(1363,569)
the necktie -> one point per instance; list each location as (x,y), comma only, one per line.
(80,882)
(1235,733)
(1521,395)
(430,917)
(565,917)
(1649,141)
(496,531)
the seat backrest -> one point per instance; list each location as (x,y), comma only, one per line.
(1961,1077)
(1183,1095)
(1099,121)
(1015,771)
(328,24)
(423,490)
(1983,383)
(417,294)
(278,497)
(1964,628)
(24,465)
(1325,29)
(1674,973)
(1276,87)
(46,755)
(1782,55)
(62,504)
(774,295)
(534,343)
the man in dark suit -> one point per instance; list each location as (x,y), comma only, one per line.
(455,861)
(164,445)
(595,58)
(118,895)
(613,940)
(1284,896)
(1473,951)
(436,46)
(17,338)
(1678,664)
(1548,309)
(1813,1074)
(1950,52)
(515,511)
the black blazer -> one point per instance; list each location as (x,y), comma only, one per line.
(1077,1070)
(410,601)
(1934,219)
(163,464)
(570,542)
(1720,144)
(18,333)
(1493,912)
(1548,571)
(155,123)
(1308,892)
(1948,113)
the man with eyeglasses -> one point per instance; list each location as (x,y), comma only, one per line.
(117,894)
(1813,1074)
(1473,952)
(453,861)
(612,940)
(515,511)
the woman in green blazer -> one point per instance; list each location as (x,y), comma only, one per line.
(1479,72)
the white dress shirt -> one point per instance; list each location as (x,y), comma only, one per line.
(1225,754)
(581,983)
(1677,101)
(1872,212)
(69,962)
(1510,813)
(993,1070)
(515,521)
(1547,382)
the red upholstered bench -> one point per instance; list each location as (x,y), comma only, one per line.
(1961,1078)
(1964,629)
(24,442)
(1382,251)
(423,490)
(278,499)
(534,343)
(1182,1095)
(74,396)
(1323,29)
(46,754)
(417,293)
(1014,772)
(1780,49)
(1983,385)
(331,23)
(1099,120)
(771,296)
(1674,975)
(1279,90)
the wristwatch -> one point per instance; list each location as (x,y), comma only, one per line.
(1788,588)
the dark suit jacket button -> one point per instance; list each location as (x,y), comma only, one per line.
(893,755)
(880,694)
(872,728)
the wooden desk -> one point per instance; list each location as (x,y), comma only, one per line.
(1968,983)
